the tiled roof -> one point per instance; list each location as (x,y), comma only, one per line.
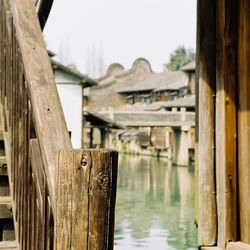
(171,80)
(189,67)
(85,80)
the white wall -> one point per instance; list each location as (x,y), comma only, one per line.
(71,99)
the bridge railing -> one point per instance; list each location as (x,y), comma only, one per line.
(62,198)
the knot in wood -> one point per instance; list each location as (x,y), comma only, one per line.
(103,180)
(84,162)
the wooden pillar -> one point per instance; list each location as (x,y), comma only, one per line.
(226,120)
(244,118)
(207,230)
(85,199)
(104,138)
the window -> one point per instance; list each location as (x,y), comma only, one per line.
(190,109)
(145,98)
(130,99)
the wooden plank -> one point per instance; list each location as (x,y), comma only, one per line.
(6,211)
(6,207)
(63,215)
(38,170)
(8,230)
(39,179)
(237,246)
(8,245)
(226,120)
(102,188)
(86,189)
(43,94)
(244,118)
(49,226)
(211,248)
(207,229)
(3,166)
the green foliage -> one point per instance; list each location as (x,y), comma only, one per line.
(179,58)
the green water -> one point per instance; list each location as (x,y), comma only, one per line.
(155,205)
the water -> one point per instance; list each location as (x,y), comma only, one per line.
(155,205)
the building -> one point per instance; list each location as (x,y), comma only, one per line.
(98,130)
(70,84)
(157,109)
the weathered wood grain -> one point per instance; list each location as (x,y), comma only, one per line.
(6,207)
(86,189)
(41,86)
(211,248)
(8,245)
(207,230)
(237,246)
(226,120)
(244,118)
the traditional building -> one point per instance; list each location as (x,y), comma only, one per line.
(158,109)
(70,84)
(120,87)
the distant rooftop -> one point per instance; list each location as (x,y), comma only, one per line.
(84,79)
(116,71)
(172,80)
(189,67)
(186,101)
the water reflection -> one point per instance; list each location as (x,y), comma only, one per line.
(155,205)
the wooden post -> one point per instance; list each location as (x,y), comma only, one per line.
(226,120)
(207,231)
(244,118)
(85,199)
(237,246)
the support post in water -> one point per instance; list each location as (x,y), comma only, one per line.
(85,182)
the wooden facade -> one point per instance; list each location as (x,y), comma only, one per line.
(223,81)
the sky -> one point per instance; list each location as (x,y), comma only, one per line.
(92,34)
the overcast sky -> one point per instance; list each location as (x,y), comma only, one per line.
(119,31)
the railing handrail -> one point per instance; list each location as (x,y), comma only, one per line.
(47,111)
(57,192)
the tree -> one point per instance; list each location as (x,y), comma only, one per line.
(179,58)
(95,61)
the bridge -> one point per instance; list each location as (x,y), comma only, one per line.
(179,121)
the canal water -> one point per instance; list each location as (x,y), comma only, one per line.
(155,205)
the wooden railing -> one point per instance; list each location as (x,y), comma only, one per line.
(62,198)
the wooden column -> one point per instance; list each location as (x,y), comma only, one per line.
(226,120)
(85,199)
(244,118)
(206,80)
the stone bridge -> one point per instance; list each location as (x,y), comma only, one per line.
(180,121)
